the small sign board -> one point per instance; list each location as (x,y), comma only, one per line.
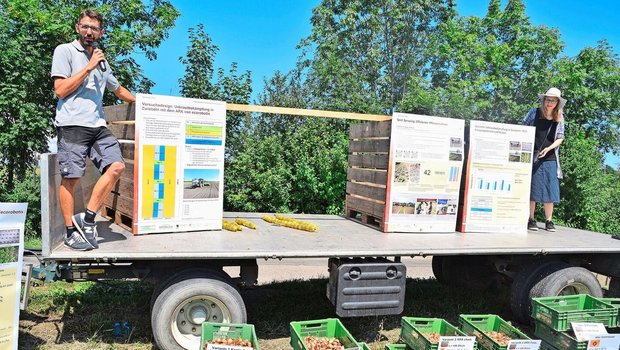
(522,344)
(461,343)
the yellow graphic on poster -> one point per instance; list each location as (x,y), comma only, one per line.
(159,181)
(7,306)
(203,134)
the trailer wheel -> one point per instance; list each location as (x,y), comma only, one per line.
(182,307)
(568,281)
(523,283)
(437,264)
(197,272)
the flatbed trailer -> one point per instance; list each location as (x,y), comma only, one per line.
(191,285)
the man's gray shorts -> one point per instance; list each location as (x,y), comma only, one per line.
(75,143)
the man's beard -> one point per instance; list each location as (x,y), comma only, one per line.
(85,42)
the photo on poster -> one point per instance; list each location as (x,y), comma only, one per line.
(403,204)
(426,206)
(527,146)
(446,207)
(201,183)
(456,142)
(515,145)
(9,254)
(456,154)
(9,236)
(407,172)
(514,156)
(526,157)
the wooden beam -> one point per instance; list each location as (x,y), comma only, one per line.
(306,112)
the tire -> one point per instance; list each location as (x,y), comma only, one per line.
(568,281)
(468,271)
(524,281)
(181,308)
(196,272)
(437,263)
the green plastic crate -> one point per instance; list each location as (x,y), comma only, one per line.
(615,302)
(397,347)
(559,340)
(558,312)
(330,328)
(414,331)
(477,325)
(211,331)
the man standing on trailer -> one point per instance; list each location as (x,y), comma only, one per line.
(81,74)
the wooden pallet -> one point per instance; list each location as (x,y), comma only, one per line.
(118,204)
(369,147)
(121,219)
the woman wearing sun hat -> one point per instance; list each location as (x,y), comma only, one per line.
(549,122)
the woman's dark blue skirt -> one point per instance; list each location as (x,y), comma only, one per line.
(545,183)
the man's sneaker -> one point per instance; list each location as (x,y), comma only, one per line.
(549,226)
(531,225)
(88,231)
(77,242)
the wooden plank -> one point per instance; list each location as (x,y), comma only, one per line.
(367,175)
(372,129)
(124,188)
(365,206)
(374,161)
(369,146)
(306,112)
(127,150)
(122,131)
(125,111)
(120,203)
(363,190)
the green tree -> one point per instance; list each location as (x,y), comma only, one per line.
(591,84)
(489,68)
(361,54)
(589,191)
(29,32)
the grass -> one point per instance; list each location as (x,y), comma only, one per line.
(81,315)
(34,243)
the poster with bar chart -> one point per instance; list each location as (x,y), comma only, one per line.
(180,164)
(498,176)
(424,176)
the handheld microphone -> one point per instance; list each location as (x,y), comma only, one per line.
(95,45)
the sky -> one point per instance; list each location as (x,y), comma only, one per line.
(261,36)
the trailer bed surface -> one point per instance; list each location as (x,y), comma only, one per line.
(336,237)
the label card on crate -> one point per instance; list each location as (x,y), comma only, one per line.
(498,178)
(522,344)
(604,342)
(226,347)
(462,343)
(583,330)
(424,173)
(179,168)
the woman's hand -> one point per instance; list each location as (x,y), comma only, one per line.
(544,152)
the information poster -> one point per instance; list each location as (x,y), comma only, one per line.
(426,159)
(180,164)
(12,218)
(499,174)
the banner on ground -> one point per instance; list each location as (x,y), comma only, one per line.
(12,219)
